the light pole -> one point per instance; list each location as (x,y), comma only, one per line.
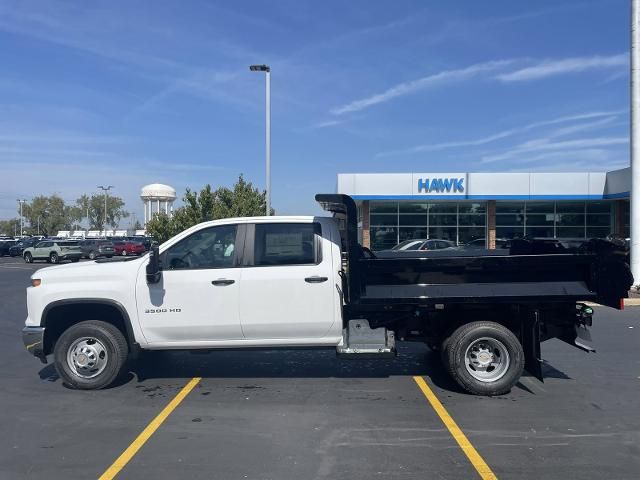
(267,70)
(106,190)
(21,202)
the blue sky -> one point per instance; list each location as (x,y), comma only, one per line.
(129,93)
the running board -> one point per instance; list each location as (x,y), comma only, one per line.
(361,341)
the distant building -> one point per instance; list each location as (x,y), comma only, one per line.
(467,206)
(157,198)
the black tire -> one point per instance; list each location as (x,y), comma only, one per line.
(115,346)
(92,255)
(444,348)
(455,350)
(28,258)
(53,257)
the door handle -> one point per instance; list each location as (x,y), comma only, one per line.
(221,282)
(315,279)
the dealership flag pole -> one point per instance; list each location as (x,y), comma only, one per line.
(635,141)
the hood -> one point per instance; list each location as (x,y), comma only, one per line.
(88,271)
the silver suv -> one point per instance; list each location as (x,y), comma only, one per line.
(53,251)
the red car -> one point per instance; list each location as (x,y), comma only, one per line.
(128,248)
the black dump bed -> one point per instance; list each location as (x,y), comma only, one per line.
(597,271)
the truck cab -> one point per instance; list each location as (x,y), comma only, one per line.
(269,280)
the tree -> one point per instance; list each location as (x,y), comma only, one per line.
(92,208)
(48,215)
(10,227)
(242,201)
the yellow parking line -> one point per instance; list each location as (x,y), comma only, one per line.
(472,454)
(141,439)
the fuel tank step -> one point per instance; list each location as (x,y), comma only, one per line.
(362,341)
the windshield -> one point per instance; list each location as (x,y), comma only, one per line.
(408,245)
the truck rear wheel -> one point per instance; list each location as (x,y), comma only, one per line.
(484,358)
(90,355)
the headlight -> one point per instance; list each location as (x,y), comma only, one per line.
(35,282)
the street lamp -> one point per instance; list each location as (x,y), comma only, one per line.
(21,202)
(267,70)
(106,190)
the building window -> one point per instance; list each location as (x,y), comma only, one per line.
(626,219)
(462,222)
(554,219)
(383,207)
(459,222)
(383,238)
(510,219)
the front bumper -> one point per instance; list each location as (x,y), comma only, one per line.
(33,339)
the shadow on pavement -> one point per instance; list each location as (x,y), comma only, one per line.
(413,359)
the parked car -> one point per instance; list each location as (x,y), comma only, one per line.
(422,244)
(53,251)
(94,248)
(5,247)
(145,241)
(18,247)
(480,243)
(125,248)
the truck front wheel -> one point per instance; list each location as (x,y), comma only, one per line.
(90,355)
(484,358)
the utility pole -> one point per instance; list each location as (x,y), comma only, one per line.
(106,190)
(635,141)
(21,202)
(267,70)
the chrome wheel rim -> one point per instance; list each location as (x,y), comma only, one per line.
(87,357)
(487,359)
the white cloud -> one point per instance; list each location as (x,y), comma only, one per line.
(582,127)
(445,77)
(544,69)
(326,124)
(544,145)
(550,68)
(609,116)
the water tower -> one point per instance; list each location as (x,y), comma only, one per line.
(157,198)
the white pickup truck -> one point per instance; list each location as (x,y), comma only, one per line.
(305,281)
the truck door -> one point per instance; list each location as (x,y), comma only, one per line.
(288,287)
(197,297)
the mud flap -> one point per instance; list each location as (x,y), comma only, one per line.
(531,347)
(579,336)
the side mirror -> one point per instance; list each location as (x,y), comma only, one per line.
(154,273)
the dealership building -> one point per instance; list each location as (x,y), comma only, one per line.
(461,207)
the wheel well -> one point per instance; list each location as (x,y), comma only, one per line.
(59,318)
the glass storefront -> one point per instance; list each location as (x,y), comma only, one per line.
(570,219)
(392,222)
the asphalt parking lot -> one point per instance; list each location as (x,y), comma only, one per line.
(301,414)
